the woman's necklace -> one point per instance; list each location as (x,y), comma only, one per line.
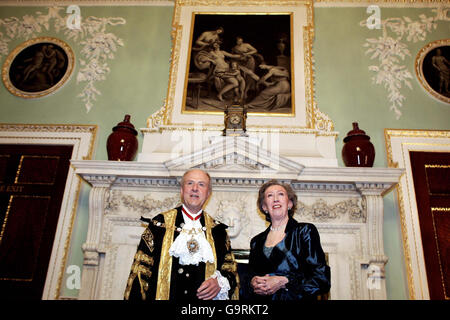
(277,228)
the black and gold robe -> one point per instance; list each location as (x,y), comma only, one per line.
(155,275)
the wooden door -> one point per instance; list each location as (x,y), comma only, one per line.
(32,181)
(431,175)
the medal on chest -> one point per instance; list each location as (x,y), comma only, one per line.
(192,244)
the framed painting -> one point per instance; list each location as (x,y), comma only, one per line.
(255,54)
(240,59)
(38,67)
(433,69)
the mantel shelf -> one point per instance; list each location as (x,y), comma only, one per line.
(146,170)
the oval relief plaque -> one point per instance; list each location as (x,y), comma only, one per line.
(38,67)
(433,69)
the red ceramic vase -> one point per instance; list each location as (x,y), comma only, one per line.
(122,143)
(358,151)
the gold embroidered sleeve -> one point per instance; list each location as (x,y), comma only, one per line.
(230,266)
(140,269)
(229,263)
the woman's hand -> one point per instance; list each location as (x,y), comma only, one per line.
(268,284)
(258,285)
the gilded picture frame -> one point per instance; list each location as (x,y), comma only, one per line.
(191,19)
(432,68)
(38,67)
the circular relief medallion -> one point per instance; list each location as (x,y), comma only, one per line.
(433,69)
(38,67)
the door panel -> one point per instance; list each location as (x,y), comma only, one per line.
(32,181)
(25,219)
(431,175)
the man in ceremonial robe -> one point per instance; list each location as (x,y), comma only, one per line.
(184,254)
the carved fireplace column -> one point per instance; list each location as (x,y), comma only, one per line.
(97,198)
(375,261)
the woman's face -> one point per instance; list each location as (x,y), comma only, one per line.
(276,202)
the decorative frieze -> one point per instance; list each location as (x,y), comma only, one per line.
(146,206)
(351,210)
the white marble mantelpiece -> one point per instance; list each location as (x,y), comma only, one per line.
(310,147)
(346,205)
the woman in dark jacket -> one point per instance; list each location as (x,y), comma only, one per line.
(286,260)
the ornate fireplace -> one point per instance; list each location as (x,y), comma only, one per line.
(346,205)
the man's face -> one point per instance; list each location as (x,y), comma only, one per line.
(195,190)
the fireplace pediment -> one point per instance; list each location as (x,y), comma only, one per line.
(236,157)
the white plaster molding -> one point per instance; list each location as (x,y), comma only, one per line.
(170,3)
(97,44)
(391,48)
(379,3)
(33,3)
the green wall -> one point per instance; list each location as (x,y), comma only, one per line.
(136,85)
(346,93)
(138,79)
